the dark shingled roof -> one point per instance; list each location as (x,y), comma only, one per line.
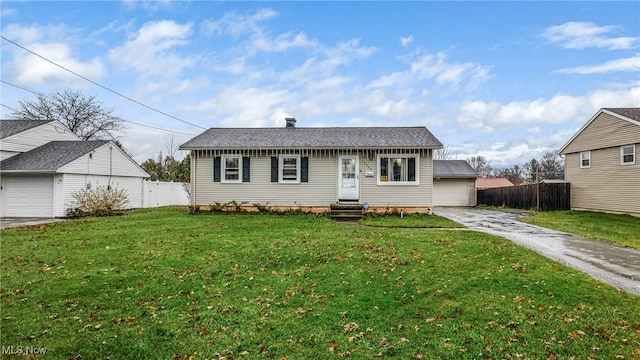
(51,156)
(315,138)
(453,169)
(12,127)
(631,113)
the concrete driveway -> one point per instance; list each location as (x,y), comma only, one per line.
(615,265)
(7,222)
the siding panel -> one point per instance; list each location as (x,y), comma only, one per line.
(74,182)
(321,190)
(104,161)
(603,132)
(35,137)
(606,185)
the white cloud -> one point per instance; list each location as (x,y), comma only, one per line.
(438,68)
(631,64)
(555,110)
(236,24)
(582,35)
(150,51)
(30,70)
(405,41)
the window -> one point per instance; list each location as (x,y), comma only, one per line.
(289,169)
(628,154)
(397,170)
(231,169)
(585,159)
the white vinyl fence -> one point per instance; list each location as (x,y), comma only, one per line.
(161,193)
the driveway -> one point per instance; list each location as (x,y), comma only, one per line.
(615,265)
(7,222)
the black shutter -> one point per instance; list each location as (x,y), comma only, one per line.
(412,169)
(246,169)
(216,169)
(304,169)
(274,169)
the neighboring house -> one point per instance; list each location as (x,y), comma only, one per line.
(18,136)
(602,162)
(490,183)
(313,168)
(40,181)
(454,183)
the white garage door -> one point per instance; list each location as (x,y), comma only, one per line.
(27,196)
(451,192)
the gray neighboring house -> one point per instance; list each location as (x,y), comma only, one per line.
(44,164)
(454,183)
(312,168)
(602,165)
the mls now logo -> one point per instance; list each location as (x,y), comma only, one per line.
(23,350)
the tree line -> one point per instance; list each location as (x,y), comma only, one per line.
(549,167)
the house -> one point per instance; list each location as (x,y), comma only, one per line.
(454,183)
(601,162)
(45,164)
(312,168)
(490,183)
(18,136)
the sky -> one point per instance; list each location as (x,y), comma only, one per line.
(505,80)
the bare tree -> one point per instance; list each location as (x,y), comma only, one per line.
(552,166)
(480,165)
(531,169)
(443,154)
(83,115)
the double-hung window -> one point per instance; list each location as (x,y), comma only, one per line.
(628,154)
(585,159)
(398,169)
(231,168)
(289,169)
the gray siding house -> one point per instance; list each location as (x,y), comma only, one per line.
(602,162)
(44,163)
(312,168)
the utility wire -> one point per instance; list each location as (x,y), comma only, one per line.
(97,84)
(129,121)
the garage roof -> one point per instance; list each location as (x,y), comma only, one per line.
(449,169)
(51,156)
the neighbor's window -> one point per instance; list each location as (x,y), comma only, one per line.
(628,154)
(585,159)
(397,169)
(289,169)
(232,169)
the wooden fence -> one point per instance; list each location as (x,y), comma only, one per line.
(543,196)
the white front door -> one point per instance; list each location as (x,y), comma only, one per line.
(348,178)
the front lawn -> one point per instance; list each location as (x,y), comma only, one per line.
(410,221)
(623,230)
(161,284)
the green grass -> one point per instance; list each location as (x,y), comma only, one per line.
(161,284)
(410,221)
(623,230)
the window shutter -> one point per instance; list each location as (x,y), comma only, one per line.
(304,169)
(246,169)
(216,169)
(412,169)
(274,169)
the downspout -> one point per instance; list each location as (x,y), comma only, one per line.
(194,157)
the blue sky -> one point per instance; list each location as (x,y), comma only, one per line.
(505,80)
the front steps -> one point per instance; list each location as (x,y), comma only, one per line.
(346,211)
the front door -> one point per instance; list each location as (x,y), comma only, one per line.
(348,178)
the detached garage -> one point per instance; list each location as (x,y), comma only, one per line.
(41,182)
(453,183)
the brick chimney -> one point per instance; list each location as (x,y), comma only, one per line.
(291,122)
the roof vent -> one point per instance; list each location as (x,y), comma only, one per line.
(291,122)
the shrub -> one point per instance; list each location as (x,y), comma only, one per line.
(101,201)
